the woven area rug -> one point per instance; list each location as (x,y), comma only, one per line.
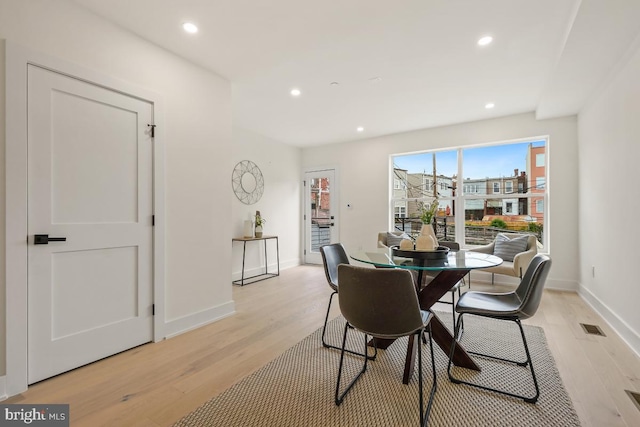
(297,388)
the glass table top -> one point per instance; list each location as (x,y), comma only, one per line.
(454,260)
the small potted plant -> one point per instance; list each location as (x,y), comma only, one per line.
(259,222)
(428,213)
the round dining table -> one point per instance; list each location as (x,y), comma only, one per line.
(449,267)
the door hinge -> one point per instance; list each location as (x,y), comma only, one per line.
(305,217)
(153,220)
(153,309)
(153,130)
(305,251)
(304,183)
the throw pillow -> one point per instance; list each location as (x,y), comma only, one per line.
(394,240)
(507,248)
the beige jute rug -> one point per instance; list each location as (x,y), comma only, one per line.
(297,388)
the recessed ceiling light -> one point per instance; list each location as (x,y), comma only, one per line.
(485,40)
(489,105)
(190,27)
(360,129)
(295,92)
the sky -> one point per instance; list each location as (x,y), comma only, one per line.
(479,162)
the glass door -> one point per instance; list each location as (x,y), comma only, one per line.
(319,217)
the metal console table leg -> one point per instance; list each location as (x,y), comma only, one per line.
(260,276)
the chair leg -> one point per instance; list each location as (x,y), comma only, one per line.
(326,320)
(339,397)
(528,362)
(453,307)
(461,331)
(424,414)
(324,331)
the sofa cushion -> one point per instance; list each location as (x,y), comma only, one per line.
(507,248)
(506,268)
(394,240)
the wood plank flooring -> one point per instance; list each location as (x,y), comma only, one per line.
(157,384)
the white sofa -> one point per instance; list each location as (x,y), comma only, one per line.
(382,237)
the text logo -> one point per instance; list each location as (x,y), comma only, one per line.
(34,415)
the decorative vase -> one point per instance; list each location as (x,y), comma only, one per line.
(427,230)
(258,231)
(425,243)
(248,229)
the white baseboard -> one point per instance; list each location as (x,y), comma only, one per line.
(562,285)
(181,325)
(273,268)
(290,263)
(622,328)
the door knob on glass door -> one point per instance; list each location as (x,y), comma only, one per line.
(44,239)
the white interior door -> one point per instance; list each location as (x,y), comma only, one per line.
(90,182)
(321,225)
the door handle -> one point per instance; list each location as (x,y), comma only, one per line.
(44,239)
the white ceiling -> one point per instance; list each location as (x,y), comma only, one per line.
(548,56)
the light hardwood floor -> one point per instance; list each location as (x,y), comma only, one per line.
(157,384)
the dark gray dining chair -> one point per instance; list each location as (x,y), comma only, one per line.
(383,303)
(520,304)
(332,256)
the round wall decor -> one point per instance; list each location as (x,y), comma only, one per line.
(247,182)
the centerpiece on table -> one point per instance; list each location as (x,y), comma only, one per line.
(426,244)
(427,239)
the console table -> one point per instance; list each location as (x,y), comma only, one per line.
(266,274)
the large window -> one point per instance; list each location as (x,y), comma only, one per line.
(481,191)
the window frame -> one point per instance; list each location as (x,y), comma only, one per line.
(469,191)
(508,187)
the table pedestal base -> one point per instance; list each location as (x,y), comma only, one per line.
(428,296)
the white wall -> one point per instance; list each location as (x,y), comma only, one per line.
(279,205)
(197,136)
(3,320)
(609,131)
(364,171)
